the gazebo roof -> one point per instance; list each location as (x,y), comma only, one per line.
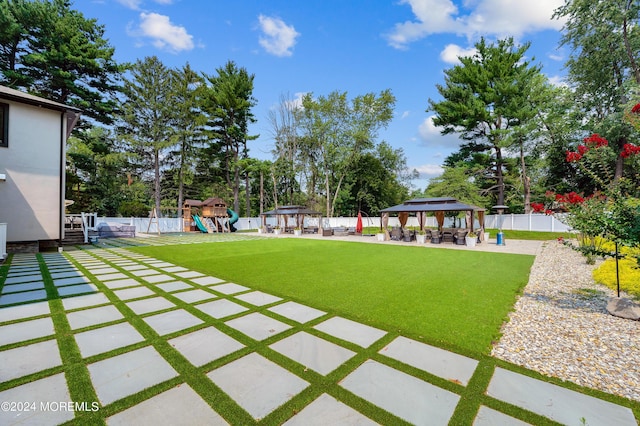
(431,205)
(291,210)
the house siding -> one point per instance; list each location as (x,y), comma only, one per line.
(30,197)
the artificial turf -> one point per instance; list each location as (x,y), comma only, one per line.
(451,298)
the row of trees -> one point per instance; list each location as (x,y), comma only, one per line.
(154,136)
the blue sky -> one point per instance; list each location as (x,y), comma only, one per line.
(319,46)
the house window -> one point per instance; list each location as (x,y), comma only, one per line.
(4,125)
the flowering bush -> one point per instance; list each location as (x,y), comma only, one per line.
(610,214)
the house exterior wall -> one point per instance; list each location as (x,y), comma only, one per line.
(30,198)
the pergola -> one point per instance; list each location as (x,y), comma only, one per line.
(283,214)
(438,206)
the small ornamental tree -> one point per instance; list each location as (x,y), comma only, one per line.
(613,212)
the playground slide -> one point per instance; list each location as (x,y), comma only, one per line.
(233,218)
(199,224)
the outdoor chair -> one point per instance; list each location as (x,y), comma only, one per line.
(458,237)
(435,237)
(408,235)
(396,234)
(447,236)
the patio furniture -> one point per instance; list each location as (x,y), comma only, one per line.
(396,233)
(408,235)
(327,232)
(447,236)
(458,237)
(435,237)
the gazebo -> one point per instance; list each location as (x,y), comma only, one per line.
(438,206)
(284,213)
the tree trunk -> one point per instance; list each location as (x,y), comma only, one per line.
(526,182)
(156,166)
(261,191)
(499,176)
(247,191)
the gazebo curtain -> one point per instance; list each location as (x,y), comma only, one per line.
(440,219)
(385,224)
(422,218)
(403,217)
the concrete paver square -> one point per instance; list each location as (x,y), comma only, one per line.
(27,330)
(102,269)
(28,359)
(196,295)
(25,296)
(109,277)
(313,352)
(127,282)
(297,312)
(173,269)
(93,316)
(70,281)
(14,288)
(23,279)
(557,403)
(133,293)
(105,339)
(135,267)
(84,301)
(326,410)
(160,264)
(258,326)
(229,288)
(405,396)
(207,280)
(154,304)
(39,393)
(77,289)
(129,373)
(173,286)
(220,308)
(69,274)
(258,298)
(24,311)
(188,274)
(204,346)
(144,272)
(169,322)
(177,406)
(157,278)
(489,417)
(439,362)
(258,385)
(351,331)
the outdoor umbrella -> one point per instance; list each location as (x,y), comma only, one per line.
(359,223)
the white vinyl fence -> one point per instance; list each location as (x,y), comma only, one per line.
(522,222)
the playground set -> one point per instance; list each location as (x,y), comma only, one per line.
(208,216)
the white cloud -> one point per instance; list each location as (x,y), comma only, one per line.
(559,81)
(131,4)
(163,1)
(499,18)
(404,115)
(164,34)
(431,136)
(430,170)
(277,37)
(452,52)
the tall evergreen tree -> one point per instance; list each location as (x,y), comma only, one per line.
(483,99)
(51,50)
(145,112)
(227,100)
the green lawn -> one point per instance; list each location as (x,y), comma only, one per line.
(450,298)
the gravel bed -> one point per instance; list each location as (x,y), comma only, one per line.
(560,327)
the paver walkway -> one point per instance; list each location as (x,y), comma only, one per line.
(133,340)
